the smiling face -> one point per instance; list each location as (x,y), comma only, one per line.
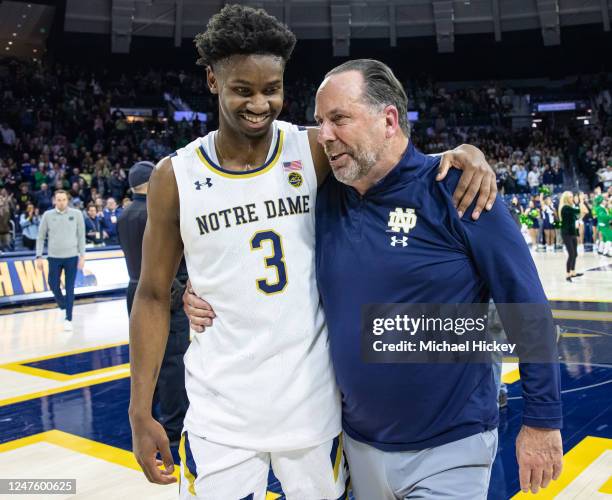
(353,132)
(250,89)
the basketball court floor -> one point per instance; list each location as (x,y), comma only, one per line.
(64,396)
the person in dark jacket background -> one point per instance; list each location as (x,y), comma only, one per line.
(170,391)
(110,216)
(93,226)
(569,213)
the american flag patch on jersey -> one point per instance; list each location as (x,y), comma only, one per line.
(291,166)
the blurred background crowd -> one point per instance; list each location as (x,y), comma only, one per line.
(64,127)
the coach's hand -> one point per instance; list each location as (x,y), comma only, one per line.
(477,178)
(40,264)
(148,438)
(539,453)
(199,312)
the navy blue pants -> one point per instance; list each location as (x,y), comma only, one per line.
(69,266)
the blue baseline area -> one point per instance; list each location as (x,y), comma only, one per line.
(99,412)
(74,364)
(587,411)
(581,306)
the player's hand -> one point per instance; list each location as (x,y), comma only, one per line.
(148,438)
(199,312)
(539,453)
(81,263)
(40,265)
(477,178)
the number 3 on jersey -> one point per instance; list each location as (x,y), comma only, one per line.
(276,260)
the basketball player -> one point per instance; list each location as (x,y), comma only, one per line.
(240,204)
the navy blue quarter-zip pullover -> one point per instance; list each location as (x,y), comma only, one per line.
(441,259)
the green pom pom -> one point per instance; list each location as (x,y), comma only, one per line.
(525,219)
(544,190)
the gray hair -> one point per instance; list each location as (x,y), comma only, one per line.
(382,88)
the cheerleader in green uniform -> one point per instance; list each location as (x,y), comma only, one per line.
(603,213)
(533,215)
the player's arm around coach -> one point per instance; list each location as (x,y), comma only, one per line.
(162,250)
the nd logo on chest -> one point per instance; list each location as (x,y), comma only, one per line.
(401,221)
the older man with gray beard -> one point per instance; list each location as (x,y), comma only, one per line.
(388,233)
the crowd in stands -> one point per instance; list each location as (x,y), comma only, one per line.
(538,215)
(60,128)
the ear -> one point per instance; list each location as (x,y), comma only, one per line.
(391,121)
(211,80)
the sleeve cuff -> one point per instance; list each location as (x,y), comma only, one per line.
(545,415)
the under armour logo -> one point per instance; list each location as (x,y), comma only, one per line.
(199,184)
(403,241)
(402,220)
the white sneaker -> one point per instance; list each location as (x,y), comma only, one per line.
(67,326)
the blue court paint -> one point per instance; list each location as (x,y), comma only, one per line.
(100,412)
(73,364)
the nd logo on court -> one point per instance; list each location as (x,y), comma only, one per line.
(401,220)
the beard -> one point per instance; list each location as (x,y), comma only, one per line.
(360,163)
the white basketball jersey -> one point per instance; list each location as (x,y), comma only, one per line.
(261,376)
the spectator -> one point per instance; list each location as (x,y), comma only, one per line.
(109,222)
(93,226)
(533,179)
(24,197)
(515,211)
(29,222)
(43,198)
(6,207)
(548,178)
(557,177)
(117,184)
(521,178)
(27,169)
(40,176)
(8,136)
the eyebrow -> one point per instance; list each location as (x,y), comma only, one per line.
(246,82)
